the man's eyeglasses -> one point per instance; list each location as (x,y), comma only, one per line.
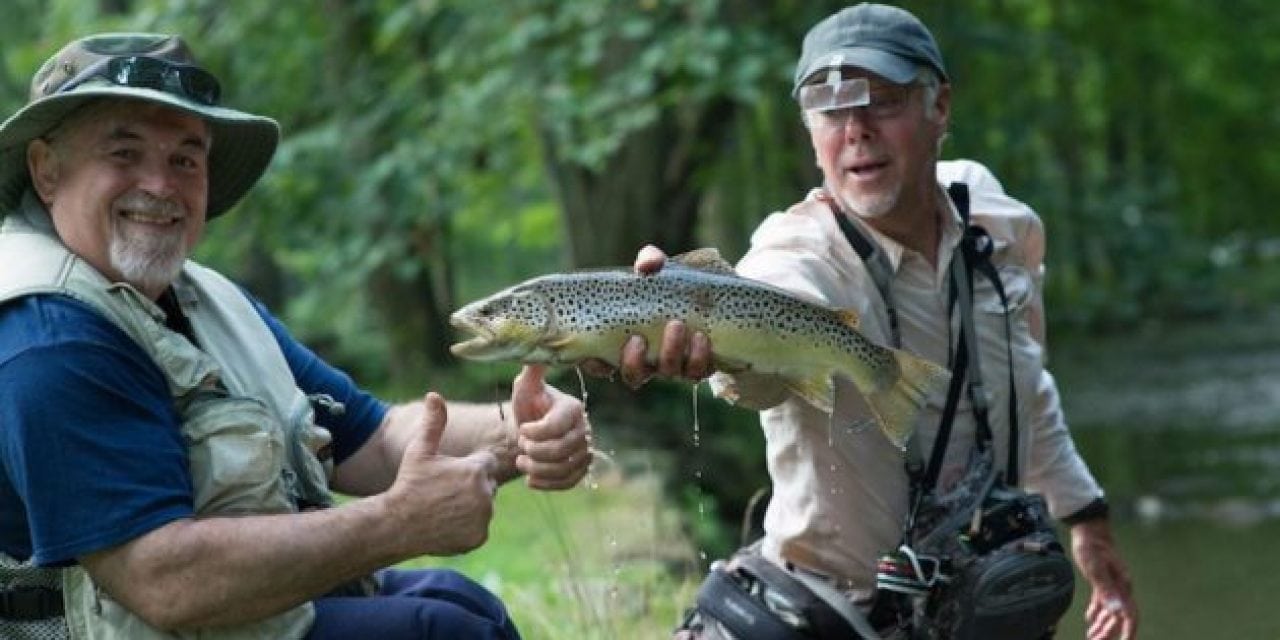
(831,105)
(184,80)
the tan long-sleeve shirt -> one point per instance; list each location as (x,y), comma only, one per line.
(839,487)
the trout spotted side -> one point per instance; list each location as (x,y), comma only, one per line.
(568,317)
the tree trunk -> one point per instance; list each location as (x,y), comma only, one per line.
(646,193)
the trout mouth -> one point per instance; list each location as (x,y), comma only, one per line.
(490,342)
(502,327)
(468,348)
(482,337)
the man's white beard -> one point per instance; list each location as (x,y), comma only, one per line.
(148,261)
(870,205)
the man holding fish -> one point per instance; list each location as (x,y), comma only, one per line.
(876,98)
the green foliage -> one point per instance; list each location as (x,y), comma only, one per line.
(1130,128)
(436,150)
(605,560)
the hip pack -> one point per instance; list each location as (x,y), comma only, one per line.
(985,562)
(1017,589)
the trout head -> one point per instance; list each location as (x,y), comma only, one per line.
(514,324)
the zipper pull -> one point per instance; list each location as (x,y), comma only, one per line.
(326,402)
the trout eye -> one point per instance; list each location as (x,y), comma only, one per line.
(493,309)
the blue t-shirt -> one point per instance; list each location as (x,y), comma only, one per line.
(91,455)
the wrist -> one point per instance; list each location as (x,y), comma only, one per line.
(507,450)
(1096,510)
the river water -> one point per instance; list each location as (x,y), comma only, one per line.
(1182,427)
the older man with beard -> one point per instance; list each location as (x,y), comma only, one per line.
(878,238)
(167,449)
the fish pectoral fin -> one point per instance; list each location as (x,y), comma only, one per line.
(818,390)
(560,346)
(705,259)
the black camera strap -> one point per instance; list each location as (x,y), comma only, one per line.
(877,264)
(974,254)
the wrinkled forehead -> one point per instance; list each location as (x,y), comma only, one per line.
(111,114)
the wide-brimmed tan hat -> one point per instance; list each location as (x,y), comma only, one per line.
(156,68)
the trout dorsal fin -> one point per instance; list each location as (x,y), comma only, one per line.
(849,317)
(705,259)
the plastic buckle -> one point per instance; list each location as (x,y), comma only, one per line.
(30,603)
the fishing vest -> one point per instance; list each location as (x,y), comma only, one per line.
(250,434)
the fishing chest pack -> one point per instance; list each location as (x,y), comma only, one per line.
(979,561)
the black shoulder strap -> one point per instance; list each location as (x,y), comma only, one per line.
(959,192)
(877,265)
(979,244)
(974,254)
(964,364)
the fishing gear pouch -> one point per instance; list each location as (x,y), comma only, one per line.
(1004,575)
(757,600)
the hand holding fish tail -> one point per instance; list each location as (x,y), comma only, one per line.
(554,440)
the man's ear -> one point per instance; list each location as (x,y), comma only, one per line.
(942,106)
(42,163)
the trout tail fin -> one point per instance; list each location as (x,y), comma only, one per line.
(897,404)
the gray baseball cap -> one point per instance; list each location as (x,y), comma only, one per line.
(887,41)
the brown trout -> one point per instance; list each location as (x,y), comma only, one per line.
(567,317)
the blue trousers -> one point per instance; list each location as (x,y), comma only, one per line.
(435,604)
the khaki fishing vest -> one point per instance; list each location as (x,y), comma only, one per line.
(249,430)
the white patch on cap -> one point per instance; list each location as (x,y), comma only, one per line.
(833,69)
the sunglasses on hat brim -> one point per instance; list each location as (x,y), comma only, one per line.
(182,80)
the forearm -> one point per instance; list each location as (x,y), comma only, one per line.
(472,427)
(231,570)
(483,427)
(1055,468)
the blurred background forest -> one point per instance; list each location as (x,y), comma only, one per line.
(437,150)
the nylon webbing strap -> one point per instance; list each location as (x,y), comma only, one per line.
(982,245)
(961,270)
(30,603)
(841,604)
(876,263)
(974,252)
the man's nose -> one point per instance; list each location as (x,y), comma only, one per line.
(157,179)
(858,124)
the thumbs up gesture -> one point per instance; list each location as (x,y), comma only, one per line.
(444,503)
(554,436)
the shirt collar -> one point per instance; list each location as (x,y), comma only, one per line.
(952,231)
